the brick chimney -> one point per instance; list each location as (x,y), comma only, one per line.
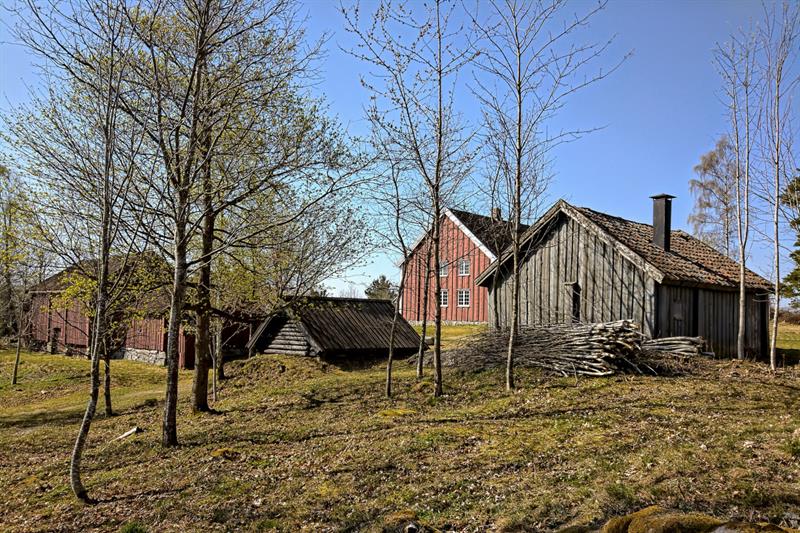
(497,215)
(662,219)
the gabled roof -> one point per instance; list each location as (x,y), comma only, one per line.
(490,235)
(689,261)
(491,232)
(347,325)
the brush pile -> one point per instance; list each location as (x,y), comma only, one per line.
(577,349)
(685,346)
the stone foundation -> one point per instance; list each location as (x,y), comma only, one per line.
(153,357)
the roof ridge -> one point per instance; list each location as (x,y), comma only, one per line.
(617,217)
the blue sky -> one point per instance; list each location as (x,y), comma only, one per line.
(661,110)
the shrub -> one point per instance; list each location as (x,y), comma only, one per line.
(133,527)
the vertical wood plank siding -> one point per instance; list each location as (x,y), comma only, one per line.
(614,288)
(72,322)
(40,325)
(74,326)
(611,287)
(716,319)
(146,334)
(455,245)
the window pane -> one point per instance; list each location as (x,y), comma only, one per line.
(463,267)
(443,297)
(463,297)
(443,270)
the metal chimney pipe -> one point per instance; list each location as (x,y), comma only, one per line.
(662,220)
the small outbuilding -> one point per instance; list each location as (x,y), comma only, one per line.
(331,327)
(61,323)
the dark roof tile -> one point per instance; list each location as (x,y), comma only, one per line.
(492,233)
(348,325)
(689,259)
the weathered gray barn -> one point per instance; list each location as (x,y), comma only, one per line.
(330,327)
(582,265)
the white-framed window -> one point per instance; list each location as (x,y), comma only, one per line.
(463,297)
(443,270)
(463,267)
(444,297)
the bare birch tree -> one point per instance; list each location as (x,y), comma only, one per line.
(712,218)
(76,148)
(225,122)
(531,64)
(22,262)
(417,57)
(778,43)
(393,215)
(736,63)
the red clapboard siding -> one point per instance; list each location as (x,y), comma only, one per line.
(40,320)
(71,321)
(454,246)
(146,334)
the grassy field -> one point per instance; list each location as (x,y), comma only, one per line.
(300,445)
(789,343)
(454,334)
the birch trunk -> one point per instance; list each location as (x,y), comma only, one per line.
(220,356)
(425,303)
(169,427)
(776,271)
(437,335)
(392,331)
(107,383)
(17,356)
(437,210)
(98,335)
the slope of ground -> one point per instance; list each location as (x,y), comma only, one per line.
(300,445)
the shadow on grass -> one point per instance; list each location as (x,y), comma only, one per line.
(42,418)
(788,356)
(70,416)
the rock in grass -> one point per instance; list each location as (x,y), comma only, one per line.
(656,519)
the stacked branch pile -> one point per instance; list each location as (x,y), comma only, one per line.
(570,349)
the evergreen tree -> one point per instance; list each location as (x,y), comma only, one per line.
(381,288)
(791,200)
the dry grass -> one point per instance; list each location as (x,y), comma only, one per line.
(454,334)
(788,343)
(300,445)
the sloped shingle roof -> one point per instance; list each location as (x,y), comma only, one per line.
(492,233)
(151,283)
(689,259)
(347,325)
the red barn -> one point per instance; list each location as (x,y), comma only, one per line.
(65,328)
(469,243)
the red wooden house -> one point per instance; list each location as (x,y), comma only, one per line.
(65,328)
(469,243)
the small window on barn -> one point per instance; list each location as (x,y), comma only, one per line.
(443,270)
(443,298)
(463,297)
(463,267)
(575,290)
